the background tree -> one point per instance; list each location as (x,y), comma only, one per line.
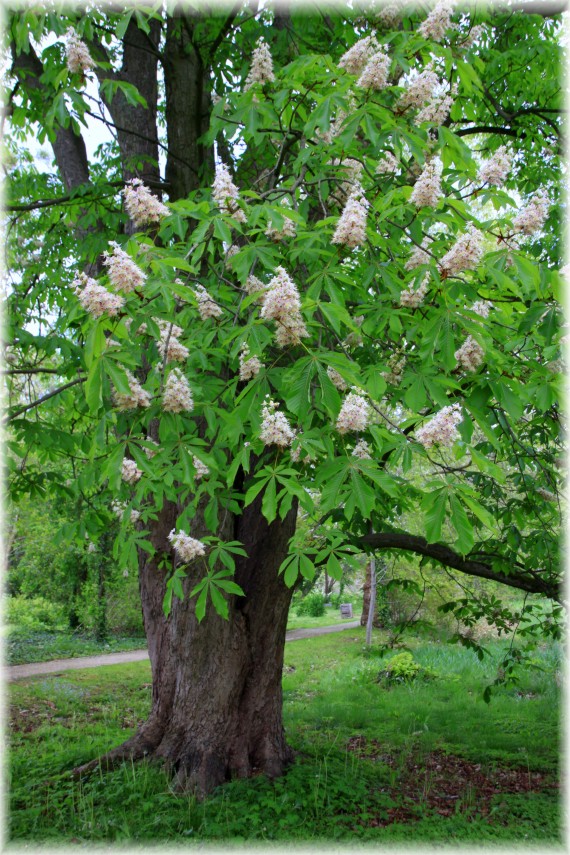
(376,291)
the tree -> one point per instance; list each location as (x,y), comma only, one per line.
(380,289)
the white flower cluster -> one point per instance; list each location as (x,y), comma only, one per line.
(169,343)
(95,299)
(151,452)
(123,272)
(253,285)
(482,308)
(337,380)
(177,396)
(187,548)
(79,60)
(375,74)
(249,366)
(142,206)
(390,14)
(545,494)
(226,194)
(396,365)
(354,414)
(442,429)
(437,22)
(281,303)
(356,58)
(275,429)
(532,218)
(288,229)
(470,355)
(119,509)
(418,256)
(413,298)
(427,189)
(465,254)
(261,70)
(137,397)
(351,227)
(388,164)
(419,88)
(206,306)
(201,469)
(495,170)
(362,450)
(130,473)
(437,108)
(474,34)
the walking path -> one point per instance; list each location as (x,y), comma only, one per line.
(19,672)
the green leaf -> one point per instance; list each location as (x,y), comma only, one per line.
(201,604)
(94,387)
(462,526)
(219,602)
(269,502)
(435,502)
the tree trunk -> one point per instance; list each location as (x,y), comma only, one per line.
(216,685)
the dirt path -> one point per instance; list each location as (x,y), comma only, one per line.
(56,666)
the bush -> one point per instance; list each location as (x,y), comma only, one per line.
(312,605)
(401,668)
(34,614)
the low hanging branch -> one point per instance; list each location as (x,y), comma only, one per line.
(445,555)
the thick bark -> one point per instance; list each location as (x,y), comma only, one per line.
(216,685)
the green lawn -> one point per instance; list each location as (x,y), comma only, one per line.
(427,761)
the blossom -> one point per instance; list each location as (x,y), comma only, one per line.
(123,272)
(206,306)
(356,58)
(470,355)
(187,548)
(153,450)
(395,371)
(95,299)
(353,169)
(495,170)
(437,22)
(79,60)
(437,108)
(361,450)
(375,74)
(282,303)
(351,227)
(201,469)
(288,229)
(354,414)
(337,380)
(169,344)
(442,429)
(419,88)
(545,494)
(390,14)
(275,428)
(253,285)
(119,509)
(177,396)
(465,254)
(418,256)
(533,216)
(130,473)
(249,366)
(291,331)
(226,194)
(427,189)
(142,206)
(482,308)
(261,70)
(413,298)
(388,164)
(137,397)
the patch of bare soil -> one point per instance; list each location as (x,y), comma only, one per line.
(444,783)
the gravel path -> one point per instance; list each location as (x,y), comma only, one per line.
(56,666)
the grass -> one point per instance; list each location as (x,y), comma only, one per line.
(421,762)
(23,647)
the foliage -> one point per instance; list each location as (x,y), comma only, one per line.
(31,614)
(401,668)
(357,746)
(25,646)
(313,605)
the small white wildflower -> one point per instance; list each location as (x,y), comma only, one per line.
(427,189)
(356,58)
(375,74)
(137,397)
(226,194)
(442,428)
(130,473)
(495,170)
(261,70)
(465,254)
(206,306)
(123,272)
(275,428)
(177,396)
(79,60)
(187,548)
(354,414)
(95,299)
(249,366)
(470,355)
(362,450)
(351,227)
(532,218)
(142,206)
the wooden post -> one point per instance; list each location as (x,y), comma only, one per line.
(372,603)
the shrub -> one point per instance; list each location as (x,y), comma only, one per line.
(401,668)
(33,614)
(312,605)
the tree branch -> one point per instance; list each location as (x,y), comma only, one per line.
(487,129)
(44,398)
(446,555)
